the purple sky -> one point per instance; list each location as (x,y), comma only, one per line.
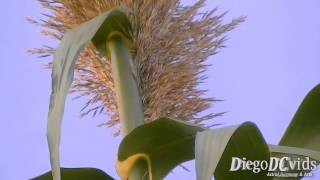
(271,62)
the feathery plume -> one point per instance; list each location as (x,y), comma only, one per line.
(172,44)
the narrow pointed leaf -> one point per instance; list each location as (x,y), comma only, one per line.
(215,149)
(304,129)
(162,144)
(77,174)
(63,70)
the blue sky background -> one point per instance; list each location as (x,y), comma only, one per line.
(271,62)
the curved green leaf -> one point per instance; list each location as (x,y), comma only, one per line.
(215,149)
(63,70)
(116,23)
(295,154)
(289,151)
(162,144)
(304,129)
(77,174)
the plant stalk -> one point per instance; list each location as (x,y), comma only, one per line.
(128,98)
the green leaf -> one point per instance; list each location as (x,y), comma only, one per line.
(295,154)
(304,129)
(63,70)
(116,23)
(301,152)
(162,144)
(215,149)
(77,174)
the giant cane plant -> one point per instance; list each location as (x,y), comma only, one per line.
(151,150)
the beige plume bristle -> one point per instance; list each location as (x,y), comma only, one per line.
(172,44)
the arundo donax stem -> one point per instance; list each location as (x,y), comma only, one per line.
(128,98)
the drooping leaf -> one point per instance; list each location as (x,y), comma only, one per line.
(63,69)
(304,129)
(300,152)
(163,144)
(295,154)
(77,174)
(215,149)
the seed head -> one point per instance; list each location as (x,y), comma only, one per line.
(172,44)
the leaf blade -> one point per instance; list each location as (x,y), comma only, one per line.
(78,174)
(214,149)
(304,129)
(163,144)
(295,151)
(295,154)
(62,77)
